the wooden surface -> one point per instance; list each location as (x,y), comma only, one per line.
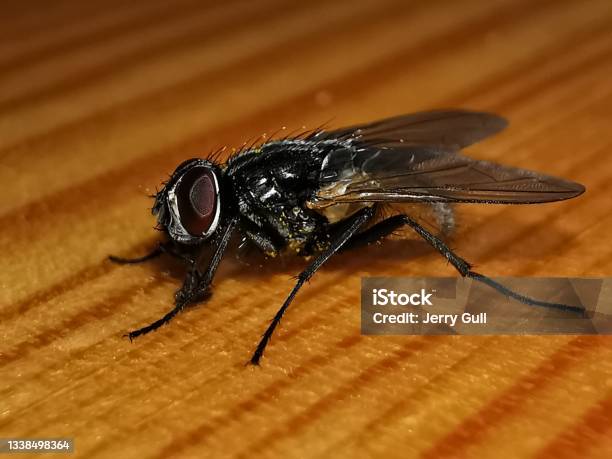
(99,101)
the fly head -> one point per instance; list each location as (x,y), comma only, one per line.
(188,207)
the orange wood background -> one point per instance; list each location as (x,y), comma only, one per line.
(99,101)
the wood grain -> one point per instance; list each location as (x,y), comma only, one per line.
(100,100)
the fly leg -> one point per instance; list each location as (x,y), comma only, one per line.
(263,242)
(162,247)
(156,252)
(195,286)
(464,269)
(386,227)
(389,225)
(375,233)
(358,220)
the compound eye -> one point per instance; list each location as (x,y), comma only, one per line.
(196,198)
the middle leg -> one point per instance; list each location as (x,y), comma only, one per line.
(357,221)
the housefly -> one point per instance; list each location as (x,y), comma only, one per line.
(318,193)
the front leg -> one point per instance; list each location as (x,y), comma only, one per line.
(162,247)
(356,222)
(156,252)
(196,286)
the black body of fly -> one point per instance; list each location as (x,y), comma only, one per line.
(318,193)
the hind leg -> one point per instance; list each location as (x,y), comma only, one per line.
(375,233)
(465,269)
(387,226)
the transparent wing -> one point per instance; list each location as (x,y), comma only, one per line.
(430,174)
(453,129)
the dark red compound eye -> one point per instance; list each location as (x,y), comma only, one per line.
(196,198)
